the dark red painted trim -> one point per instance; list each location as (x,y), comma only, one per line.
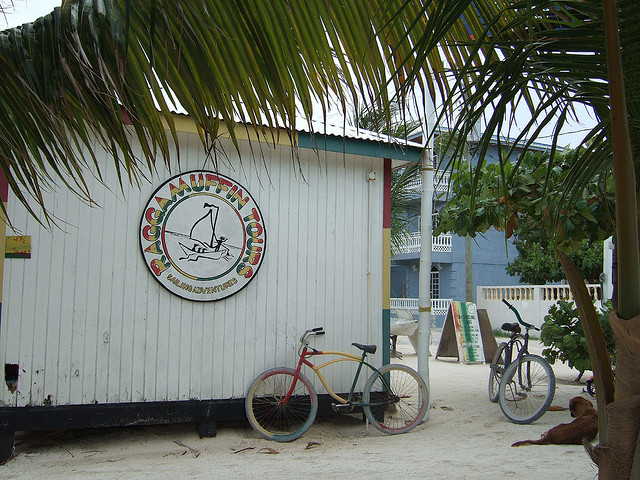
(386,212)
(4,187)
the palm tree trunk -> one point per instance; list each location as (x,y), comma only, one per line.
(623,415)
(624,175)
(598,354)
(468,268)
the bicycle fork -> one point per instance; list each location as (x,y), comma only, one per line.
(286,398)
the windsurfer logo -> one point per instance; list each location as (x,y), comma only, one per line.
(202,236)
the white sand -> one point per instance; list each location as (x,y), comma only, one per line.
(470,439)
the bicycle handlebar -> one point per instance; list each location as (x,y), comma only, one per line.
(517,314)
(312,331)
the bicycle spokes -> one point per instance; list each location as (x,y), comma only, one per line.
(395,399)
(526,389)
(272,413)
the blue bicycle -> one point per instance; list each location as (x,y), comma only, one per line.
(523,384)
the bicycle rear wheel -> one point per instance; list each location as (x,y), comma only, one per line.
(527,389)
(272,418)
(496,371)
(396,399)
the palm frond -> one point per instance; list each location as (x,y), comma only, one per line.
(118,71)
(546,57)
(401,197)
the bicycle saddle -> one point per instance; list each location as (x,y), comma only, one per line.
(366,348)
(511,327)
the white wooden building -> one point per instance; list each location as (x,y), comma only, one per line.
(94,333)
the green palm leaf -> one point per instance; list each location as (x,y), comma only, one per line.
(118,70)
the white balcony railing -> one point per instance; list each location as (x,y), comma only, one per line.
(439,306)
(441,183)
(412,243)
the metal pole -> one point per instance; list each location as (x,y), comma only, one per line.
(426,246)
(424,279)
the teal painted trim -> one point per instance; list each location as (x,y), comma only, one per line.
(355,146)
(386,336)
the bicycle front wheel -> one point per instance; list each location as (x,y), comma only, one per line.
(496,371)
(270,415)
(527,389)
(395,399)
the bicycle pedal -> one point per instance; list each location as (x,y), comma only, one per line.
(341,406)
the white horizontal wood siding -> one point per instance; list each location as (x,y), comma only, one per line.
(86,322)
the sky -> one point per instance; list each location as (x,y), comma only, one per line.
(28,10)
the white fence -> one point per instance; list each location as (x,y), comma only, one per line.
(439,306)
(532,301)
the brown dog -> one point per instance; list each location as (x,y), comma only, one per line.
(585,426)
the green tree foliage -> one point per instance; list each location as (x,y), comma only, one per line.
(520,197)
(564,338)
(537,266)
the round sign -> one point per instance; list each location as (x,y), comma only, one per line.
(202,236)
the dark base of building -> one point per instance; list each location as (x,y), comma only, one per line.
(204,414)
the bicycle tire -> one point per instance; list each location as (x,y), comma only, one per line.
(496,369)
(401,409)
(525,402)
(276,421)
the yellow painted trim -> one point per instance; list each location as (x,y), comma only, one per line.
(184,124)
(386,268)
(243,132)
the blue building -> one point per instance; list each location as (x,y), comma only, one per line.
(490,255)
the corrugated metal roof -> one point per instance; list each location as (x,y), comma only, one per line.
(349,139)
(348,131)
(328,136)
(332,129)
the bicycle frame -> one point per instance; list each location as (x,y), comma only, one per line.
(519,343)
(515,339)
(307,353)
